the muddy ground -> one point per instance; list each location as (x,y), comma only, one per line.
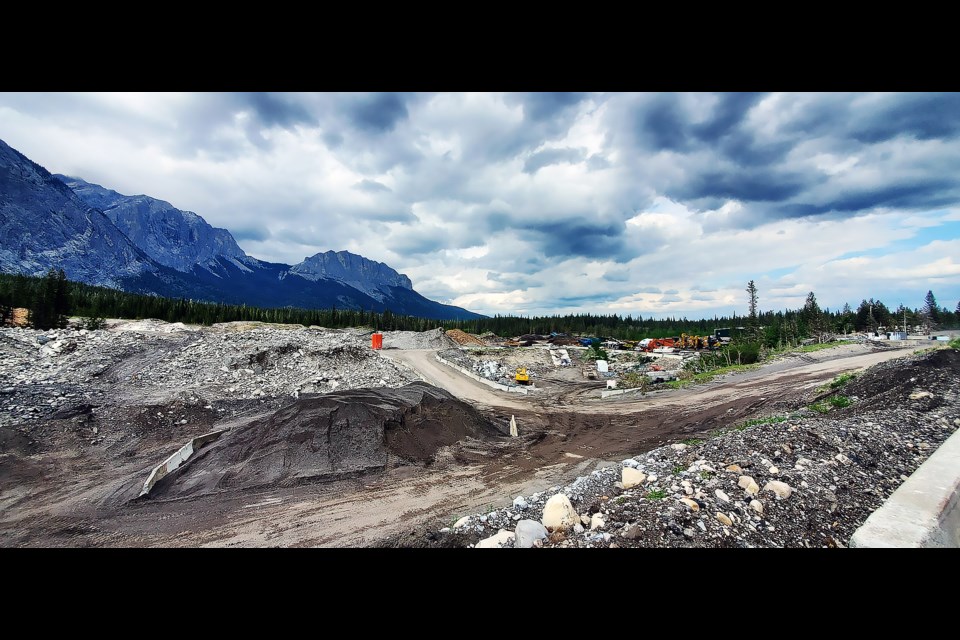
(77,440)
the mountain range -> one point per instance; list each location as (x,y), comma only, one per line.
(145,245)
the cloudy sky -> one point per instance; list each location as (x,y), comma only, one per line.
(653,204)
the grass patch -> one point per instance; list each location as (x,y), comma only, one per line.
(756,421)
(842,379)
(819,407)
(658,494)
(705,475)
(678,469)
(818,347)
(839,401)
(707,376)
(954,344)
(692,441)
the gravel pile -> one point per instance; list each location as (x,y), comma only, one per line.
(432,339)
(42,372)
(802,479)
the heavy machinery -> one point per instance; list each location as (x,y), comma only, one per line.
(649,344)
(521,376)
(696,342)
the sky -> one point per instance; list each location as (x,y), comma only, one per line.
(651,204)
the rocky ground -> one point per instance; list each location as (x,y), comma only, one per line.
(79,375)
(85,416)
(803,478)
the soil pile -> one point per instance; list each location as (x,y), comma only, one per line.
(331,436)
(462,337)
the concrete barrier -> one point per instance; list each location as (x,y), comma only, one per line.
(481,379)
(178,458)
(924,511)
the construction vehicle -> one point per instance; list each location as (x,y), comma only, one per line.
(649,344)
(521,376)
(696,342)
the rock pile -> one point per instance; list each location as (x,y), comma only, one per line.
(44,371)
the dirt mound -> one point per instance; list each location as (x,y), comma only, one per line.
(907,381)
(462,337)
(329,437)
(432,339)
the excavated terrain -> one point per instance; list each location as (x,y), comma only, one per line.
(330,443)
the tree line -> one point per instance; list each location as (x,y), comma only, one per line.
(52,298)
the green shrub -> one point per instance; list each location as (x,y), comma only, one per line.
(839,401)
(658,494)
(842,379)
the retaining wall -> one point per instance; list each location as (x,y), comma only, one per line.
(924,511)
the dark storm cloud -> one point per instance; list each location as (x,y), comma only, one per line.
(746,150)
(546,105)
(578,237)
(258,233)
(547,157)
(924,116)
(376,112)
(749,185)
(730,110)
(661,124)
(370,186)
(929,193)
(272,110)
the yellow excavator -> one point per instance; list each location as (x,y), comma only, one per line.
(522,377)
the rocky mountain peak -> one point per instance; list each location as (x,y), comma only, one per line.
(372,277)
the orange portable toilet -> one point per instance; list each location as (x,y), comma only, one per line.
(377,341)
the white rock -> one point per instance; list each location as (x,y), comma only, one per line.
(597,521)
(462,521)
(734,468)
(782,489)
(585,520)
(842,459)
(497,540)
(724,519)
(528,532)
(578,528)
(722,496)
(757,506)
(692,504)
(773,470)
(630,462)
(652,477)
(631,477)
(559,514)
(749,485)
(520,503)
(678,446)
